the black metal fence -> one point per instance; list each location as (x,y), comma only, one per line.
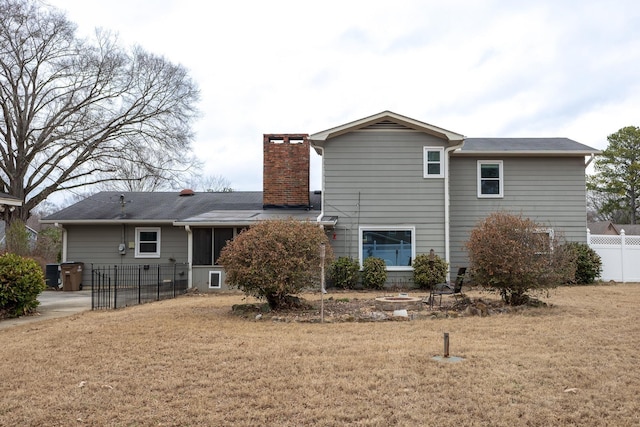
(117,286)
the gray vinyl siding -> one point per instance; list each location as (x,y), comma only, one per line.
(375,178)
(550,191)
(98,244)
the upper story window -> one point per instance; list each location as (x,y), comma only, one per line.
(433,162)
(148,242)
(490,178)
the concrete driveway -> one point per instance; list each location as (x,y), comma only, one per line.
(54,304)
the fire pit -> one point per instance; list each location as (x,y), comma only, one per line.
(399,302)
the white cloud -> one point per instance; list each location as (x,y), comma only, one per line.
(492,68)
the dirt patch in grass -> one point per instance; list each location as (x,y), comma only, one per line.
(191,361)
(348,306)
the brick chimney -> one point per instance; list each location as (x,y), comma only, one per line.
(286,171)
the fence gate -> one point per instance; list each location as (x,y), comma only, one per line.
(620,256)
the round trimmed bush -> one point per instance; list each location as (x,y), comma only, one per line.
(429,271)
(588,263)
(21,281)
(374,273)
(345,272)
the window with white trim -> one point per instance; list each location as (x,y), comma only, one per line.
(543,240)
(215,280)
(490,178)
(147,242)
(395,245)
(433,162)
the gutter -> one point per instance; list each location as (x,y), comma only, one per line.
(106,221)
(593,156)
(63,255)
(447,221)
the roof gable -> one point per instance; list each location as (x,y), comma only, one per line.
(385,120)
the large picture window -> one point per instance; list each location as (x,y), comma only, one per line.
(433,162)
(394,245)
(148,242)
(490,178)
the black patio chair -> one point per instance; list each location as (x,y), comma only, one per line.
(454,288)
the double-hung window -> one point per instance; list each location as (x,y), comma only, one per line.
(148,242)
(395,245)
(490,179)
(433,162)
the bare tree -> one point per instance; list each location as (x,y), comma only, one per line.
(74,112)
(210,183)
(153,172)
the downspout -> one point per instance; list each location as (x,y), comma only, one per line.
(189,256)
(447,221)
(593,156)
(63,255)
(319,219)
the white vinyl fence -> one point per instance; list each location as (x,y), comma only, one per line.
(620,256)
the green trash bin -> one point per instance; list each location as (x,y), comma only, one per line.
(71,275)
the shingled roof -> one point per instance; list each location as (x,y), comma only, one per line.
(167,207)
(530,146)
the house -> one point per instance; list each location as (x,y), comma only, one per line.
(32,235)
(392,187)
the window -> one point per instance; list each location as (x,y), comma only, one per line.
(207,243)
(202,247)
(543,240)
(220,238)
(214,280)
(395,245)
(490,178)
(148,242)
(433,162)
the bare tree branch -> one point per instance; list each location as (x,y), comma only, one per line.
(78,112)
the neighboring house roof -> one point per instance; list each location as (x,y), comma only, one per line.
(521,146)
(602,227)
(386,119)
(33,234)
(7,199)
(607,227)
(170,207)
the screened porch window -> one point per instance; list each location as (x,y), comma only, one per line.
(207,243)
(394,245)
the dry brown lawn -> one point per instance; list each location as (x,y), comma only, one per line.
(191,362)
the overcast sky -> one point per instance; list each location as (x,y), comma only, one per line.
(480,68)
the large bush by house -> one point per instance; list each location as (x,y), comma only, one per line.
(276,259)
(588,263)
(429,270)
(374,273)
(516,257)
(21,281)
(344,272)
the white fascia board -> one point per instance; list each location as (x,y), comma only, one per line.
(407,121)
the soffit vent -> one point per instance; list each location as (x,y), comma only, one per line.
(387,125)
